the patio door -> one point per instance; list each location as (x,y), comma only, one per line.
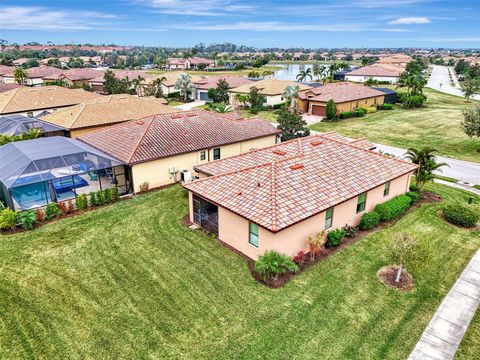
(205,214)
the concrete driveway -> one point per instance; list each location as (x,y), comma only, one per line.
(190,105)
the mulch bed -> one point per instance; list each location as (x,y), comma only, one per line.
(426,198)
(388,274)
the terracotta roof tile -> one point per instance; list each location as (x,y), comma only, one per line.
(269,86)
(208,82)
(339,92)
(378,70)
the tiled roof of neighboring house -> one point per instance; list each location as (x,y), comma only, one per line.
(395,59)
(6,69)
(173,134)
(106,110)
(339,92)
(296,180)
(269,86)
(77,74)
(378,70)
(43,71)
(208,82)
(6,87)
(192,60)
(172,77)
(44,97)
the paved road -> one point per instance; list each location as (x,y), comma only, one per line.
(440,80)
(444,333)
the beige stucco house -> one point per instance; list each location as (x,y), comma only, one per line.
(275,198)
(163,149)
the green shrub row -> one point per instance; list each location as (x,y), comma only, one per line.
(369,220)
(392,208)
(352,114)
(386,107)
(461,216)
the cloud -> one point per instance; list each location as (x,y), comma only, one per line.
(197,7)
(41,18)
(410,20)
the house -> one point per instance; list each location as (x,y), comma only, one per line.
(35,75)
(162,149)
(347,96)
(380,72)
(97,82)
(53,169)
(275,198)
(75,77)
(104,111)
(396,59)
(272,89)
(190,63)
(205,83)
(6,87)
(20,124)
(32,101)
(170,79)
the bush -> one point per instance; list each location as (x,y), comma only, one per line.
(359,113)
(331,110)
(107,193)
(413,101)
(279,106)
(115,193)
(415,196)
(144,187)
(334,237)
(39,214)
(81,202)
(386,107)
(52,210)
(27,219)
(63,206)
(8,219)
(350,231)
(100,197)
(347,114)
(299,258)
(414,188)
(392,208)
(461,216)
(370,109)
(316,243)
(273,264)
(174,94)
(369,220)
(93,199)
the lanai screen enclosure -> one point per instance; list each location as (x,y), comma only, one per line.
(36,172)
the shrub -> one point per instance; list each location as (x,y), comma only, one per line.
(39,214)
(81,202)
(414,188)
(392,208)
(273,264)
(369,220)
(316,243)
(144,187)
(331,110)
(350,231)
(115,193)
(299,258)
(415,196)
(371,109)
(359,113)
(27,219)
(63,206)
(174,94)
(93,199)
(347,114)
(334,237)
(100,197)
(107,193)
(279,106)
(8,219)
(71,205)
(413,101)
(460,215)
(386,107)
(52,210)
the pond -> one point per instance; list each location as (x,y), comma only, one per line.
(290,71)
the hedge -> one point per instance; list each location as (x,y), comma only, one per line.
(347,114)
(369,220)
(460,216)
(392,208)
(415,196)
(386,107)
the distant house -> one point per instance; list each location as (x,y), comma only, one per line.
(35,75)
(380,72)
(205,83)
(98,82)
(396,59)
(272,89)
(168,84)
(32,101)
(75,77)
(159,149)
(104,111)
(275,198)
(6,87)
(186,64)
(347,97)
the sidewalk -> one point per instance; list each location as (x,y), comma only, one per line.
(444,333)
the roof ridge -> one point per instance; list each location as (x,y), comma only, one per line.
(14,92)
(141,138)
(78,114)
(273,194)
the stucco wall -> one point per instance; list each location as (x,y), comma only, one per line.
(351,105)
(156,172)
(361,79)
(233,229)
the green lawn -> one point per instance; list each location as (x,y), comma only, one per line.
(269,115)
(470,346)
(130,281)
(437,125)
(226,72)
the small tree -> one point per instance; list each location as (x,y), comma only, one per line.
(470,87)
(185,86)
(20,75)
(222,91)
(402,247)
(243,99)
(331,110)
(255,98)
(292,125)
(471,122)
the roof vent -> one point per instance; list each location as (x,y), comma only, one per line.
(279,152)
(296,167)
(316,143)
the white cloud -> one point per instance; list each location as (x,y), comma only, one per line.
(41,18)
(197,7)
(410,20)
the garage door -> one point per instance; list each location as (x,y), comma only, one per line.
(319,110)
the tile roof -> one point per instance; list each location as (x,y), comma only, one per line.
(269,86)
(77,74)
(172,77)
(43,71)
(6,69)
(6,87)
(339,92)
(173,134)
(106,110)
(281,185)
(233,81)
(192,60)
(395,59)
(43,97)
(377,70)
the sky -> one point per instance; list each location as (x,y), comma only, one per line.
(258,23)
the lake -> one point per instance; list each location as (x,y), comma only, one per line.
(290,71)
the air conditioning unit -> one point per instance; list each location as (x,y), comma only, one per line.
(186,176)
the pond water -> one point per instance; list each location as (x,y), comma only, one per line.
(290,71)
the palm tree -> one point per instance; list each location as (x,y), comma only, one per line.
(427,163)
(332,69)
(185,86)
(221,108)
(268,73)
(343,65)
(290,95)
(137,84)
(319,71)
(253,74)
(215,57)
(157,86)
(20,75)
(304,74)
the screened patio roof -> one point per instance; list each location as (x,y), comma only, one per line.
(32,161)
(19,124)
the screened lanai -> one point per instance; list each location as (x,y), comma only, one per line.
(19,124)
(36,172)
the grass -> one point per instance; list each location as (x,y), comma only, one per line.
(228,72)
(268,115)
(437,125)
(175,103)
(130,281)
(446,178)
(470,346)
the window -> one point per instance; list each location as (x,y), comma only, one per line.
(328,218)
(386,189)
(203,155)
(253,234)
(216,154)
(30,114)
(362,201)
